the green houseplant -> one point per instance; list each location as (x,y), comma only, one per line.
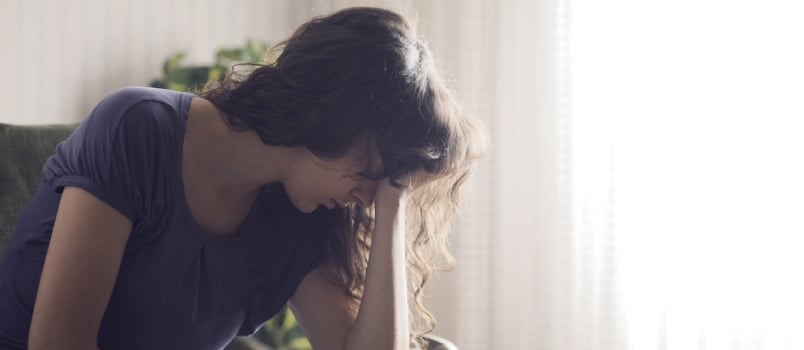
(281,332)
(176,76)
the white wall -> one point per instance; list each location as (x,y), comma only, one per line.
(60,57)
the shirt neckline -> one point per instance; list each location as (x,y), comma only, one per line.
(208,238)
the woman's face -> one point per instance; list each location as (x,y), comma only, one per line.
(330,183)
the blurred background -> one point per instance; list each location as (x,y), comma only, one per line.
(645,189)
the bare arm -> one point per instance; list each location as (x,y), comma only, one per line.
(382,322)
(80,269)
(333,321)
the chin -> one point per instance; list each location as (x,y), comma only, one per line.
(300,205)
(306,208)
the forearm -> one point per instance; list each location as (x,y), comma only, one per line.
(382,321)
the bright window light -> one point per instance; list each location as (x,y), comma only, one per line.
(703,101)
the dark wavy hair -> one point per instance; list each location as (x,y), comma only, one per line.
(361,76)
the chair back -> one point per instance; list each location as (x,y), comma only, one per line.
(23,151)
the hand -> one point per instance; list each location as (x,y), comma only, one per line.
(387,194)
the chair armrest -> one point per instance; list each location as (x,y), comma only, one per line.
(433,342)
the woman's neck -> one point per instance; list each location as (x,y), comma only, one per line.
(227,161)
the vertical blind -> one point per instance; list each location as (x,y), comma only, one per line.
(61,57)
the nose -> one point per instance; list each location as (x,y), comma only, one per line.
(363,193)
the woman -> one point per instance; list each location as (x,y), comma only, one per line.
(324,180)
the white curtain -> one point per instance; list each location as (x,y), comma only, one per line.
(704,102)
(517,284)
(535,249)
(645,186)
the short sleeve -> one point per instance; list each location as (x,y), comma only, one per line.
(114,154)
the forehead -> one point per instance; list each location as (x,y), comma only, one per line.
(364,157)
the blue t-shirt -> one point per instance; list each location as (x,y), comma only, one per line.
(178,287)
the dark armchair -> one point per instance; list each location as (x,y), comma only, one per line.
(23,151)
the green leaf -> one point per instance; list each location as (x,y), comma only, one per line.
(216,73)
(172,63)
(300,344)
(290,321)
(176,86)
